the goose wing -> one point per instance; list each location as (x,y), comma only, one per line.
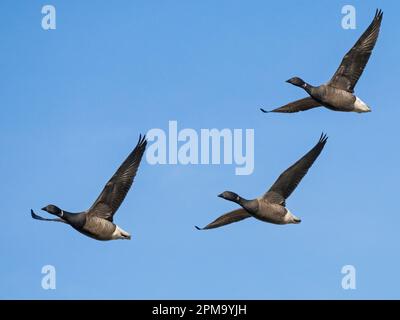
(290,178)
(118,186)
(354,62)
(296,106)
(37,217)
(230,217)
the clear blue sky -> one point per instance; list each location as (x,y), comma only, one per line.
(75,99)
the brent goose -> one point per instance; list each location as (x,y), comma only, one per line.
(271,206)
(337,94)
(97,222)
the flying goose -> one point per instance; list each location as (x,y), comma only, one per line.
(97,222)
(338,93)
(271,207)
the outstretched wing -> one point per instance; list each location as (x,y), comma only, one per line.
(296,106)
(118,186)
(230,217)
(354,62)
(36,217)
(289,179)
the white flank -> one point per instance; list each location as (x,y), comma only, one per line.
(361,106)
(120,234)
(291,218)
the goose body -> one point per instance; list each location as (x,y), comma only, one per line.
(273,213)
(336,99)
(97,222)
(338,93)
(267,211)
(100,229)
(271,206)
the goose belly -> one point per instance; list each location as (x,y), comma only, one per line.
(270,219)
(337,99)
(98,228)
(271,213)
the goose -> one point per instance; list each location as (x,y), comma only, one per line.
(271,207)
(97,222)
(338,93)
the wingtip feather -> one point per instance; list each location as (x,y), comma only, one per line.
(35,216)
(323,138)
(378,14)
(142,140)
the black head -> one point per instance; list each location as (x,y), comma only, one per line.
(53,210)
(296,81)
(231,196)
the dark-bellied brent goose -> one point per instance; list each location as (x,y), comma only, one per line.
(97,222)
(338,93)
(271,207)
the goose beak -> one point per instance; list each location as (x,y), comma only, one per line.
(44,209)
(220,195)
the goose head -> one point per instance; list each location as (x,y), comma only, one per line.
(52,209)
(231,196)
(298,82)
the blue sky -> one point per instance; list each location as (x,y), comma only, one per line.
(75,99)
